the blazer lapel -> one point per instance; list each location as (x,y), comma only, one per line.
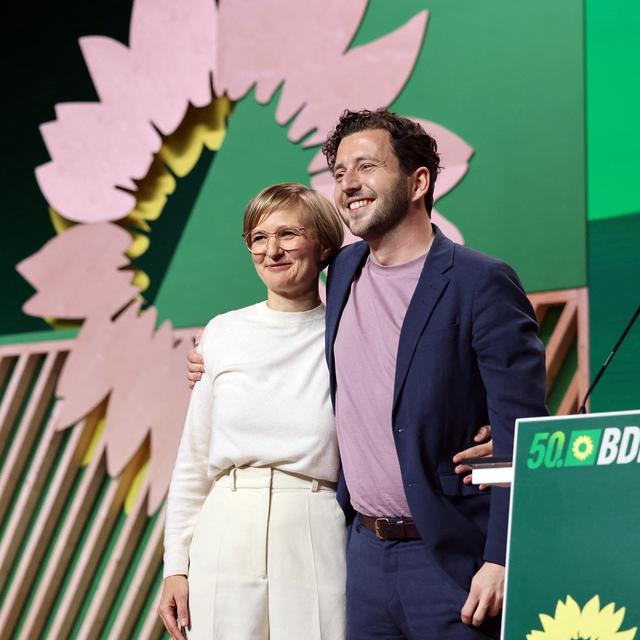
(431,285)
(341,275)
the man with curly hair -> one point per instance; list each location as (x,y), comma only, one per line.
(426,341)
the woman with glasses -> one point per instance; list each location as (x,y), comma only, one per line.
(254,538)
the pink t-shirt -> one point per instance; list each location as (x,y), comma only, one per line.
(365,351)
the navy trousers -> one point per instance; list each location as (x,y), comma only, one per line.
(396,591)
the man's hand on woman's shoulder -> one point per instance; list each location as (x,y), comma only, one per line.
(195,362)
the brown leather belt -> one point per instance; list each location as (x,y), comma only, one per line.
(391,528)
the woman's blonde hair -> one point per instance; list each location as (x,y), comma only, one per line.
(319,212)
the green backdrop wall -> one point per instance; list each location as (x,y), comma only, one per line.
(613,137)
(507,77)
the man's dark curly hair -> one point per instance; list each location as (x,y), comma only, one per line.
(413,146)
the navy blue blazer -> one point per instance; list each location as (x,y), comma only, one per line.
(469,355)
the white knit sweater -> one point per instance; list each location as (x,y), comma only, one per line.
(263,402)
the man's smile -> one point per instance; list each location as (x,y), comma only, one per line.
(359,203)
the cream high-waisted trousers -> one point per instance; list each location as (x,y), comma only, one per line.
(267,560)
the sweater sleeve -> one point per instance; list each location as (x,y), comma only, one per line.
(190,483)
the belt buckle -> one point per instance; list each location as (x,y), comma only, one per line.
(376,528)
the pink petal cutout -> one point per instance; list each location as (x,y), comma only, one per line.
(455,154)
(138,368)
(363,78)
(298,36)
(78,273)
(144,89)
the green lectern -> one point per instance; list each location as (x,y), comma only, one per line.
(573,559)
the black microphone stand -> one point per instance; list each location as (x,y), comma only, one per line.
(583,406)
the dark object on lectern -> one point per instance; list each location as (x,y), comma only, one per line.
(488,462)
(583,406)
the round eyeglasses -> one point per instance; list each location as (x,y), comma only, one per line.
(288,238)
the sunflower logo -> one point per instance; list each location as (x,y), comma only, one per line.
(589,623)
(582,447)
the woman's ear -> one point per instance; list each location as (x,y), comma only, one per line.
(324,254)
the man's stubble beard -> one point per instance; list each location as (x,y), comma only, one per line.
(387,215)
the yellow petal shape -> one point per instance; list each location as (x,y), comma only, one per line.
(570,622)
(132,494)
(95,439)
